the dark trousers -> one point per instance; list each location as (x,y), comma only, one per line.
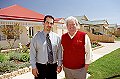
(46,71)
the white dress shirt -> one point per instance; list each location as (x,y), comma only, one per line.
(38,49)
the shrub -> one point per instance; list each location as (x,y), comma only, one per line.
(7,66)
(3,58)
(14,55)
(23,49)
(22,65)
(95,44)
(25,57)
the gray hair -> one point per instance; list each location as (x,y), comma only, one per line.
(73,19)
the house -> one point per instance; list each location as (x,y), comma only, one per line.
(117,32)
(97,29)
(61,29)
(96,26)
(112,28)
(28,21)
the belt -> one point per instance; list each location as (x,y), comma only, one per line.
(47,63)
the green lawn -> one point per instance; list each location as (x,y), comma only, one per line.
(107,67)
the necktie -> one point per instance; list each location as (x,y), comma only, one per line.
(49,49)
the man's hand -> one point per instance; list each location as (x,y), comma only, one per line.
(86,66)
(35,72)
(59,68)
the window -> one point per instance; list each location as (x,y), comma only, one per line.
(2,37)
(31,31)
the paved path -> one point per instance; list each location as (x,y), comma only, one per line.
(107,48)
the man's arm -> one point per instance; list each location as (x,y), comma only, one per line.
(59,56)
(33,57)
(88,50)
(33,53)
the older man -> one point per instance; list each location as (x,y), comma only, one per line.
(76,51)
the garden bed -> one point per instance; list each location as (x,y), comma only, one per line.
(14,60)
(95,44)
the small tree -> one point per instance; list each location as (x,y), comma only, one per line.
(12,32)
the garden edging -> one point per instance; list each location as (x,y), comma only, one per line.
(97,47)
(15,73)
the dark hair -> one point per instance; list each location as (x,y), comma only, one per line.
(49,17)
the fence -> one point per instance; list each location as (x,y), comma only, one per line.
(101,38)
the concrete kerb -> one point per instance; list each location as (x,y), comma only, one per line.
(97,47)
(16,73)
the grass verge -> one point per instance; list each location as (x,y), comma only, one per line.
(107,67)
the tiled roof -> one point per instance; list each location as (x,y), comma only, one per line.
(81,19)
(84,20)
(20,13)
(113,25)
(96,22)
(118,26)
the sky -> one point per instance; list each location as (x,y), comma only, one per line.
(94,9)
